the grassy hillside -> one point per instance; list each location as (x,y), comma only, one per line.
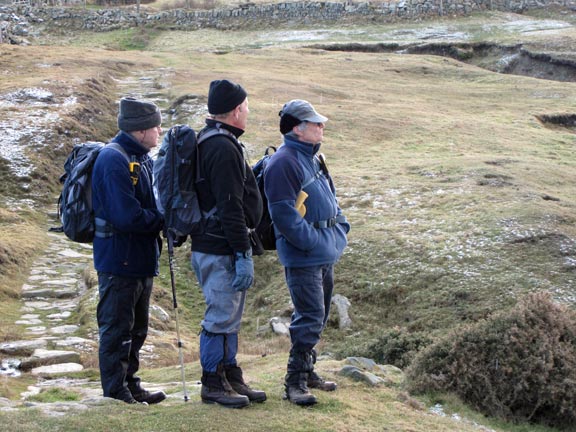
(461,201)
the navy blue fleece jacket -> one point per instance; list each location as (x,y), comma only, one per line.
(133,249)
(298,242)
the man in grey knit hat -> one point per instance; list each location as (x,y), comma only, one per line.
(126,248)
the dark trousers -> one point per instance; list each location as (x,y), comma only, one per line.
(311,291)
(123,326)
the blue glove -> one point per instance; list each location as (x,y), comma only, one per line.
(244,270)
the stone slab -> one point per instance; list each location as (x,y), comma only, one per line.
(22,347)
(57,369)
(44,357)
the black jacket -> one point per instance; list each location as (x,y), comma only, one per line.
(228,184)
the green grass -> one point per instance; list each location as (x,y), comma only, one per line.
(55,395)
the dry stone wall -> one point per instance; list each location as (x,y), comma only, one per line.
(252,15)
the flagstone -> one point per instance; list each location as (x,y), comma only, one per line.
(57,369)
(44,357)
(21,347)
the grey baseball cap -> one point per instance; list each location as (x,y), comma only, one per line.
(303,111)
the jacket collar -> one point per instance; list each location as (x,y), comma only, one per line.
(214,123)
(130,144)
(306,148)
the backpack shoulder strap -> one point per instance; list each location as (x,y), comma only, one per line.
(217,130)
(119,149)
(213,131)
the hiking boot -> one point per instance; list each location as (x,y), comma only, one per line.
(315,381)
(126,396)
(141,395)
(234,376)
(217,389)
(134,401)
(297,391)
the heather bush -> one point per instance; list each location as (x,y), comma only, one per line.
(519,365)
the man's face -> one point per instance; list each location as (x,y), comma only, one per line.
(149,137)
(243,114)
(312,133)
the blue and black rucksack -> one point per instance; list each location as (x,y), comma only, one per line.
(75,201)
(176,173)
(176,178)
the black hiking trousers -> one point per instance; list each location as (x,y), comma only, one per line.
(123,326)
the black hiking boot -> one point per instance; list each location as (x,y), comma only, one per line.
(141,395)
(217,389)
(126,396)
(236,380)
(297,391)
(315,381)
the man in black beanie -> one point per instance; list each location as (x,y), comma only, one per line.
(126,248)
(222,256)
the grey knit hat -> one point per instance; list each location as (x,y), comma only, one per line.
(137,115)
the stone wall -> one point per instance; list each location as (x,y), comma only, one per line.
(272,15)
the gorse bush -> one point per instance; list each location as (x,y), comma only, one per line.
(519,365)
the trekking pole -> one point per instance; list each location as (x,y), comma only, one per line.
(180,354)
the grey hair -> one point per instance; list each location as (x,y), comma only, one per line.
(221,116)
(302,126)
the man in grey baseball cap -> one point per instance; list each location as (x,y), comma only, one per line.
(310,238)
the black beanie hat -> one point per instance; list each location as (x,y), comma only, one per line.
(224,96)
(137,115)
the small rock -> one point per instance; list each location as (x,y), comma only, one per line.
(280,326)
(159,313)
(342,305)
(362,376)
(362,362)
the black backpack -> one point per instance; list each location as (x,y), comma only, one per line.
(75,202)
(176,176)
(265,229)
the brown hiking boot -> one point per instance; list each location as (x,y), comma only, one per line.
(296,390)
(315,381)
(216,389)
(236,380)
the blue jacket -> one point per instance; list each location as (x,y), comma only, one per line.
(133,249)
(298,242)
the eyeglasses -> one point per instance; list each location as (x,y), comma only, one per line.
(315,123)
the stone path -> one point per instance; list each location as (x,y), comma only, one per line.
(60,285)
(55,344)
